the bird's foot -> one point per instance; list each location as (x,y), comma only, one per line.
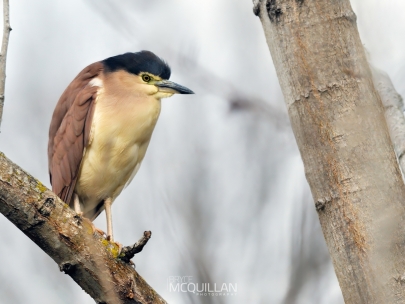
(110,239)
(128,252)
(94,229)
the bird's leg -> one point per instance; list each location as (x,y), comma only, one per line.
(110,237)
(107,206)
(76,204)
(78,210)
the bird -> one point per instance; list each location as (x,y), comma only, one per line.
(101,128)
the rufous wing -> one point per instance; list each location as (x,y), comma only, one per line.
(69,131)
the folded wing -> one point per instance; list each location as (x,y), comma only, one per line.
(69,131)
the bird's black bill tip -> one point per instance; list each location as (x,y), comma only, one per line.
(186,91)
(172,87)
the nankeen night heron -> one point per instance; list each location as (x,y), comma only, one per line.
(101,128)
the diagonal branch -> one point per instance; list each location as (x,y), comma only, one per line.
(3,55)
(68,239)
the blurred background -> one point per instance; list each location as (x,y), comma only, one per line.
(222,186)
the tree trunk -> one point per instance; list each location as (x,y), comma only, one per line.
(338,121)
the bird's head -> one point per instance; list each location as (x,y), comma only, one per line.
(150,73)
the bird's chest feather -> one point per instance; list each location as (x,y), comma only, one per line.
(120,134)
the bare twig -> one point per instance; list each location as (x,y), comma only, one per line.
(3,55)
(394,112)
(128,252)
(68,239)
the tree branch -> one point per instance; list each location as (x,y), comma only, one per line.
(3,55)
(68,239)
(394,112)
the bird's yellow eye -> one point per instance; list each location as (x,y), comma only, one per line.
(146,78)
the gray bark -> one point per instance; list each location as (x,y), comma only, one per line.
(3,55)
(338,121)
(394,112)
(68,239)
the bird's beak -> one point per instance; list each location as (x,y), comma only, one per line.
(167,86)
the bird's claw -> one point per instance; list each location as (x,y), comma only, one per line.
(132,264)
(101,232)
(119,247)
(95,229)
